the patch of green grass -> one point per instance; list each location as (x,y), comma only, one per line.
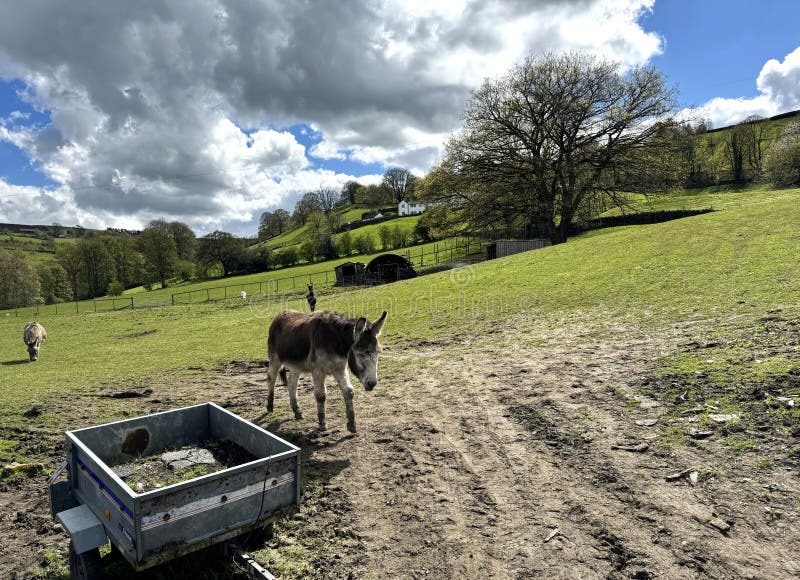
(672,437)
(53,567)
(739,443)
(764,464)
(7,447)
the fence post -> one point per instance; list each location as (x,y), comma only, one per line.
(173,299)
(132,306)
(56,307)
(208,296)
(76,307)
(95,306)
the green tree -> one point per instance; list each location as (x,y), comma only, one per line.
(98,266)
(555,131)
(221,248)
(399,183)
(115,288)
(349,190)
(129,263)
(736,147)
(70,260)
(364,243)
(180,233)
(385,236)
(316,220)
(376,196)
(286,257)
(273,224)
(54,282)
(346,243)
(308,250)
(399,237)
(19,284)
(307,204)
(184,238)
(160,255)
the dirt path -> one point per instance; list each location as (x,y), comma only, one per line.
(510,456)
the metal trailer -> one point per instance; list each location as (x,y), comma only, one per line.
(94,505)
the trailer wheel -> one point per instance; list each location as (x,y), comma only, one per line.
(86,566)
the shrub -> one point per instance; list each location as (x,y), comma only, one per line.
(782,166)
(308,250)
(399,237)
(364,243)
(346,243)
(115,288)
(325,246)
(185,270)
(385,234)
(286,257)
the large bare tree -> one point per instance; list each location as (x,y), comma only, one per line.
(399,182)
(552,134)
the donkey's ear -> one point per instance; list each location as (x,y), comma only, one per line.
(377,326)
(358,329)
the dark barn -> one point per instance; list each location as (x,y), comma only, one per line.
(389,268)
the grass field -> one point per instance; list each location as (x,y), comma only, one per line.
(724,264)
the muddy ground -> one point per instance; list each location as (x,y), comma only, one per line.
(540,450)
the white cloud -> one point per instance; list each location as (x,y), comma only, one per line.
(170,109)
(779,85)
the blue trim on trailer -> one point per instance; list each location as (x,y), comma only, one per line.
(104,488)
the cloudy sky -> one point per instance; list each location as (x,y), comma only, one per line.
(114,112)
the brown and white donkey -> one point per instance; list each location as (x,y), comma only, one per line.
(323,343)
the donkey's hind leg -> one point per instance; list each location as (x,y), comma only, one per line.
(292,386)
(272,376)
(320,393)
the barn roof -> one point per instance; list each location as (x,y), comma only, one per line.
(387,259)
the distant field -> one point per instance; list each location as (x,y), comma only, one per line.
(34,249)
(406,225)
(717,198)
(273,284)
(298,235)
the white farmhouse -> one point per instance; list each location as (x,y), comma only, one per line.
(410,208)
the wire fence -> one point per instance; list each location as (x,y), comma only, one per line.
(438,256)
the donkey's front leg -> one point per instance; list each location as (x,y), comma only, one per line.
(320,393)
(348,393)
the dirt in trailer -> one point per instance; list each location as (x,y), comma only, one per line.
(500,456)
(150,472)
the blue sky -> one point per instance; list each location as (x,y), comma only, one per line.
(116,113)
(717,48)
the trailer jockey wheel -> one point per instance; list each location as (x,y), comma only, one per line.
(86,566)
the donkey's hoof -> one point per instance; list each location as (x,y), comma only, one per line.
(322,427)
(351,427)
(298,415)
(270,408)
